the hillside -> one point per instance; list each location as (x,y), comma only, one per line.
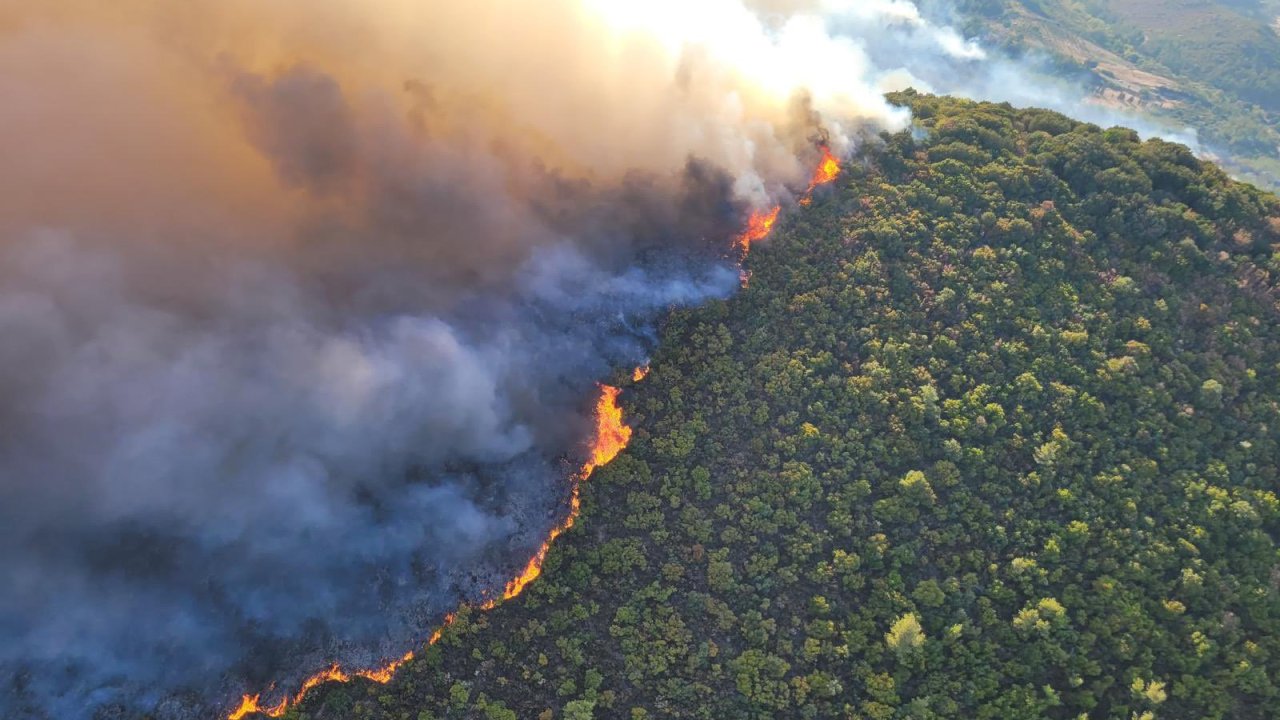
(990,434)
(1213,65)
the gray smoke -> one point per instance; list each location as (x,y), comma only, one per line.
(925,52)
(251,481)
(227,466)
(303,304)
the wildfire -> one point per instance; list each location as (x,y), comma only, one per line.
(439,632)
(249,705)
(383,674)
(759,225)
(828,170)
(611,437)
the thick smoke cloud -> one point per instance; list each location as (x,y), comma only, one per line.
(303,303)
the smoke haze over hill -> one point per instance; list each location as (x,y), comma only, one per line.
(303,302)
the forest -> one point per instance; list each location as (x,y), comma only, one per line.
(991,433)
(1211,65)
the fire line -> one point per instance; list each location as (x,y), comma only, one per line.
(611,437)
(760,222)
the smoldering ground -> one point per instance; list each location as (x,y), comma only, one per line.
(302,304)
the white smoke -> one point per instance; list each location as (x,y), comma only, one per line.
(303,303)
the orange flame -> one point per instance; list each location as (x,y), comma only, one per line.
(612,435)
(759,225)
(828,170)
(439,632)
(249,706)
(382,675)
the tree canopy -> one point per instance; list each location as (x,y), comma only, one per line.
(992,433)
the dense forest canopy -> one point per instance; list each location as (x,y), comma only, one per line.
(990,434)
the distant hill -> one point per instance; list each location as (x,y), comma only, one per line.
(1213,65)
(991,434)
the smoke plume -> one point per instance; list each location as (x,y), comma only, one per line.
(302,302)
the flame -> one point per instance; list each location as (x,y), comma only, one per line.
(249,706)
(759,225)
(382,675)
(828,170)
(439,632)
(611,436)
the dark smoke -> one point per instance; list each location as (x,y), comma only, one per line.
(224,471)
(302,304)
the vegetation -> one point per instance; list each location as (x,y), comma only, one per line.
(1211,64)
(991,434)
